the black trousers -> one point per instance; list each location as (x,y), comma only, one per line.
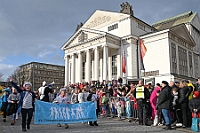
(4,108)
(25,113)
(184,109)
(143,112)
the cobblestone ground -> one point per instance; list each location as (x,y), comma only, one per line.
(106,125)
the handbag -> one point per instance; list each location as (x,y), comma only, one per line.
(195,123)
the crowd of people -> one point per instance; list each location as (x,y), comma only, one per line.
(172,104)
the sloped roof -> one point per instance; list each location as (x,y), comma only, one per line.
(173,21)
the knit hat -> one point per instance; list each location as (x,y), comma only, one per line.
(196,94)
(27,83)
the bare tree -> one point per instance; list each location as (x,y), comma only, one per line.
(14,75)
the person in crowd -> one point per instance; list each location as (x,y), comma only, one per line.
(194,104)
(191,88)
(123,102)
(44,91)
(176,107)
(103,104)
(27,99)
(94,99)
(109,94)
(13,100)
(183,101)
(142,96)
(51,93)
(86,92)
(4,99)
(74,98)
(197,85)
(150,87)
(129,104)
(153,100)
(62,98)
(119,80)
(81,97)
(164,103)
(158,116)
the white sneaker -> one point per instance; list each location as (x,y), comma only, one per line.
(179,124)
(16,116)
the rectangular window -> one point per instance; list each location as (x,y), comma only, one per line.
(112,27)
(83,70)
(114,65)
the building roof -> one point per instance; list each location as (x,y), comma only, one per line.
(176,20)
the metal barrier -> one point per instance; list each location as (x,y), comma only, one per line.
(120,107)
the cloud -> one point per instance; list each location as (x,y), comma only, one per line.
(6,70)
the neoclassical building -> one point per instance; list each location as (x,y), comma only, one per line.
(94,52)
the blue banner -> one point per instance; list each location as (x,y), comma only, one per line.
(49,113)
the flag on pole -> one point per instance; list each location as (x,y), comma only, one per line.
(123,63)
(143,51)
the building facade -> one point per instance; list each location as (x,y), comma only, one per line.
(36,73)
(94,52)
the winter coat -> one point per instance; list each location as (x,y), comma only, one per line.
(194,103)
(165,98)
(183,95)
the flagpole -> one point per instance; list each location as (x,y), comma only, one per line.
(137,55)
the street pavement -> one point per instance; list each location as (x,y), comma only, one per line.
(106,125)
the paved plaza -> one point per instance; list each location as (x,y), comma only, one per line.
(106,125)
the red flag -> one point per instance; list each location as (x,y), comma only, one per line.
(123,63)
(143,51)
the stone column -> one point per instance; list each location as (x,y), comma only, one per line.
(177,59)
(80,67)
(73,69)
(88,66)
(105,63)
(66,70)
(96,64)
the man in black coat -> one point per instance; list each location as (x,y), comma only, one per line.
(165,103)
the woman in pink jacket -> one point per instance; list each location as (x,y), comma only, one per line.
(153,100)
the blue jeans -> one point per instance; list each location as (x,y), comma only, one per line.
(13,116)
(166,114)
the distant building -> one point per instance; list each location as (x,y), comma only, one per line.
(36,73)
(99,46)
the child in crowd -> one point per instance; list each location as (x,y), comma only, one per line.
(123,103)
(118,107)
(103,104)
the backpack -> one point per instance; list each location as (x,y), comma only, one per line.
(89,97)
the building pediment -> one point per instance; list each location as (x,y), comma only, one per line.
(87,37)
(83,36)
(182,31)
(101,19)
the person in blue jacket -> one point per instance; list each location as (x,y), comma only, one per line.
(4,98)
(27,98)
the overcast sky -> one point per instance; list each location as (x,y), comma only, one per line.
(35,30)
